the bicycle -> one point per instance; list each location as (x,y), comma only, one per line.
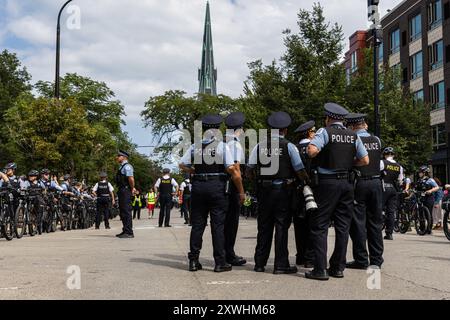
(420,213)
(7,215)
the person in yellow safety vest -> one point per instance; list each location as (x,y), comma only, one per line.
(137,204)
(247,204)
(151,202)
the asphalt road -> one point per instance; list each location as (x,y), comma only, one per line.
(153,265)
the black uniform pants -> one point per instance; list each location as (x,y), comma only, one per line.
(429,203)
(274,213)
(302,229)
(208,197)
(186,208)
(124,195)
(367,223)
(103,207)
(334,198)
(390,208)
(232,224)
(137,212)
(165,202)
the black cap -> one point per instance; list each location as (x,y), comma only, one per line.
(355,118)
(335,111)
(45,171)
(103,175)
(66,177)
(279,120)
(212,121)
(306,127)
(123,153)
(235,120)
(166,170)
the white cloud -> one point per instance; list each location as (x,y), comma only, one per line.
(145,47)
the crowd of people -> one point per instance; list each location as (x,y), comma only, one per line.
(339,175)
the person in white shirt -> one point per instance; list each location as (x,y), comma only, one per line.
(164,188)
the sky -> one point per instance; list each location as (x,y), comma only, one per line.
(142,48)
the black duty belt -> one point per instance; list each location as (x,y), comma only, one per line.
(277,183)
(210,177)
(334,176)
(369,178)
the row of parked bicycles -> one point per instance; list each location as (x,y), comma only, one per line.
(413,212)
(35,211)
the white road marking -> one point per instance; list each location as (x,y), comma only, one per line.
(11,288)
(237,282)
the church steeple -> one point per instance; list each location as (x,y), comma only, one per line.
(207,74)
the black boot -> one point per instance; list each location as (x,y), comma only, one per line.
(194,264)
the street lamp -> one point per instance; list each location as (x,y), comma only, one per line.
(374,17)
(58,42)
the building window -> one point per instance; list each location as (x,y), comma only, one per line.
(439,136)
(434,14)
(395,41)
(416,65)
(418,96)
(354,62)
(436,55)
(381,52)
(437,96)
(415,28)
(347,75)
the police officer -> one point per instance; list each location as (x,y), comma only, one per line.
(277,163)
(367,222)
(104,192)
(47,182)
(234,123)
(10,171)
(392,178)
(211,160)
(185,189)
(337,149)
(429,186)
(165,187)
(125,184)
(301,219)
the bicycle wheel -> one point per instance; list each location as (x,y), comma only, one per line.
(446,225)
(7,228)
(61,220)
(32,223)
(404,223)
(19,223)
(422,221)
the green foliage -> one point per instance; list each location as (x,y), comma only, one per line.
(167,114)
(96,97)
(308,75)
(14,81)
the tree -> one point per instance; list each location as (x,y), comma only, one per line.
(166,115)
(50,133)
(308,75)
(96,97)
(14,80)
